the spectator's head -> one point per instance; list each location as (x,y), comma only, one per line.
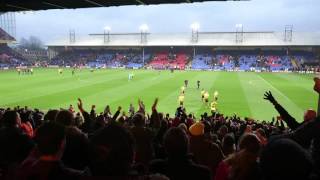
(207,127)
(285,159)
(107,109)
(250,143)
(309,115)
(26,116)
(51,115)
(78,120)
(138,120)
(50,139)
(164,124)
(65,118)
(228,144)
(197,129)
(11,119)
(112,151)
(223,130)
(183,126)
(38,118)
(176,143)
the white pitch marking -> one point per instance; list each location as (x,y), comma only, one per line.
(279,92)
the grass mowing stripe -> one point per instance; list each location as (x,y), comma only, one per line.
(45,89)
(231,96)
(68,91)
(130,91)
(96,91)
(50,89)
(287,94)
(254,88)
(298,80)
(301,96)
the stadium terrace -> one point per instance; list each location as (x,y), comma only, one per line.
(240,51)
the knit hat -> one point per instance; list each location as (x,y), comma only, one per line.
(197,129)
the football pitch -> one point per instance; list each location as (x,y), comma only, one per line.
(239,92)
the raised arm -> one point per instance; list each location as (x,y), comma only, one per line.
(141,107)
(291,121)
(84,113)
(317,89)
(115,116)
(154,106)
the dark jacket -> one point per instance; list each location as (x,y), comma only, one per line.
(143,139)
(205,152)
(15,147)
(47,170)
(77,149)
(290,121)
(180,168)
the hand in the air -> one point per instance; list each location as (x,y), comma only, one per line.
(268,96)
(316,85)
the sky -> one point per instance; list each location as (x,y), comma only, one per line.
(255,15)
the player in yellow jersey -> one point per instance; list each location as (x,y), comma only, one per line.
(183,89)
(206,97)
(215,95)
(181,99)
(213,106)
(202,94)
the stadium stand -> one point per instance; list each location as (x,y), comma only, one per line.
(165,60)
(223,60)
(4,36)
(9,57)
(202,62)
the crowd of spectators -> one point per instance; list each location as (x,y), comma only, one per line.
(157,58)
(65,144)
(251,61)
(10,58)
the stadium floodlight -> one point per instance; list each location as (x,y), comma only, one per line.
(239,33)
(239,25)
(107,28)
(144,28)
(195,26)
(195,32)
(106,34)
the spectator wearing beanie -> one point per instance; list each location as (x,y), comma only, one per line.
(204,151)
(178,165)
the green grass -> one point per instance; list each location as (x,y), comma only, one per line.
(239,92)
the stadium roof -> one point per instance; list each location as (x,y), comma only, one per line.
(204,39)
(33,5)
(5,37)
